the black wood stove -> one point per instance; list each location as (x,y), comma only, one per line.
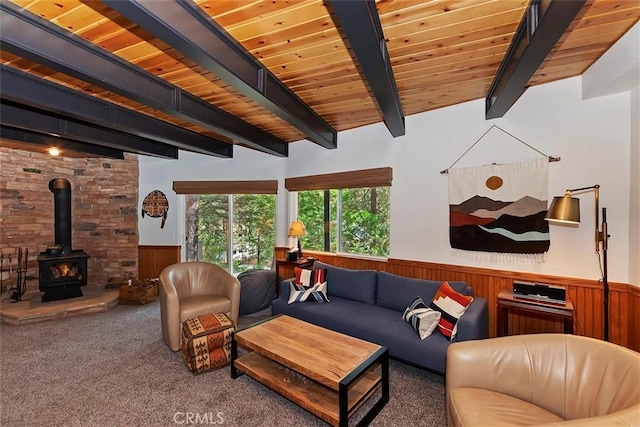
(62,270)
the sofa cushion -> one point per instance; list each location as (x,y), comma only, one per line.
(300,293)
(421,318)
(452,305)
(356,285)
(397,292)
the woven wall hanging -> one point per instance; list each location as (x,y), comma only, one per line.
(497,211)
(156,205)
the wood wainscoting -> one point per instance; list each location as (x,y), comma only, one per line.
(587,295)
(153,259)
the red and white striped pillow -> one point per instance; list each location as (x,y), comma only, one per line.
(309,277)
(452,305)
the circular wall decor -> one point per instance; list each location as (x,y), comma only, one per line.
(156,205)
(494,182)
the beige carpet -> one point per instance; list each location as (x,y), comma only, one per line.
(113,369)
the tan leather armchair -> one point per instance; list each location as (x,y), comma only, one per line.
(542,379)
(190,289)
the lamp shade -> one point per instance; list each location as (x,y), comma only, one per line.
(297,229)
(564,209)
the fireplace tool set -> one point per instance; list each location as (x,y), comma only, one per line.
(21,270)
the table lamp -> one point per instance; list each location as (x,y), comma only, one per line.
(296,230)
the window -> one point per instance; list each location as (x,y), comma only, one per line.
(345,212)
(234,231)
(311,211)
(357,219)
(364,221)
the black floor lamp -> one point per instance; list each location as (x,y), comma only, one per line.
(566,210)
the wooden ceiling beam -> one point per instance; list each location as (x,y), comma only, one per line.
(35,92)
(67,147)
(538,32)
(103,140)
(29,36)
(361,25)
(184,26)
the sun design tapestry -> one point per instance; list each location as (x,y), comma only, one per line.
(499,208)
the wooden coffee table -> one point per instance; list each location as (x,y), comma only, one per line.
(341,372)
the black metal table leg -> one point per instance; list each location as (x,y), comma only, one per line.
(377,407)
(234,356)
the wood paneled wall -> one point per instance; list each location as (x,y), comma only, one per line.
(587,295)
(153,259)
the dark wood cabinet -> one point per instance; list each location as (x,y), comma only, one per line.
(507,302)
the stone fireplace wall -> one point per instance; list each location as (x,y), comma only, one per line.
(104,212)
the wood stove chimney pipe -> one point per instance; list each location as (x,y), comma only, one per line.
(61,189)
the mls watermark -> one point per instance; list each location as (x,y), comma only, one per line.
(198,418)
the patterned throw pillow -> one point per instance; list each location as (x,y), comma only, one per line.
(309,277)
(423,319)
(300,293)
(452,305)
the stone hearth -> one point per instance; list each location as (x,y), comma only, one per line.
(32,310)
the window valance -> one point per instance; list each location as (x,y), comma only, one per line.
(226,187)
(377,177)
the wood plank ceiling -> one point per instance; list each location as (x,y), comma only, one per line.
(443,52)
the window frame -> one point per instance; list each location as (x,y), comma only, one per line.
(365,178)
(229,189)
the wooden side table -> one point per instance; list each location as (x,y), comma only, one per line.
(289,265)
(507,301)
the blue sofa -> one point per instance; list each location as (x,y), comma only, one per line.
(369,305)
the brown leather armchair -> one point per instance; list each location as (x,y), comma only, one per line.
(190,289)
(542,379)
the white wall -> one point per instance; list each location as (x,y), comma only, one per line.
(595,139)
(591,137)
(158,174)
(618,70)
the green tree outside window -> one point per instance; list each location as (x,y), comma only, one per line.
(252,230)
(364,220)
